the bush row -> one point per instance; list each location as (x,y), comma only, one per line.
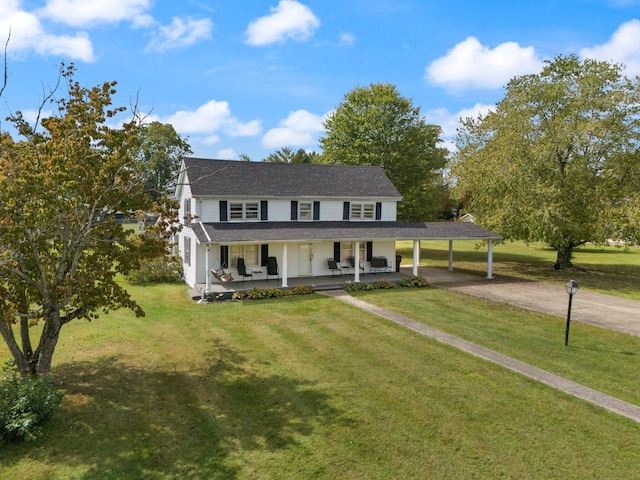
(257,293)
(413,281)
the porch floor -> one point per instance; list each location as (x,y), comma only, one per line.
(316,283)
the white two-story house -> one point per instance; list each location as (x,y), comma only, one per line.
(294,216)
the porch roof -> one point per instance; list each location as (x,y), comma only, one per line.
(260,232)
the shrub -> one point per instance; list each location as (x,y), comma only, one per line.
(413,281)
(256,293)
(158,270)
(358,287)
(25,402)
(385,284)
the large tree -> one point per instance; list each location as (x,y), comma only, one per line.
(289,155)
(557,161)
(60,246)
(161,152)
(375,125)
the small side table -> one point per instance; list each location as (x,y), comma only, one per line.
(257,274)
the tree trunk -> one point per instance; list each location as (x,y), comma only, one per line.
(563,260)
(40,363)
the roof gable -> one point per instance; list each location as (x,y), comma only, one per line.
(208,177)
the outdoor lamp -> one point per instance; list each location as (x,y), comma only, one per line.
(572,288)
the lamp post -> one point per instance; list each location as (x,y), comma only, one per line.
(572,288)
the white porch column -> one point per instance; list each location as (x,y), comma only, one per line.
(416,256)
(451,255)
(356,262)
(490,260)
(285,260)
(207,268)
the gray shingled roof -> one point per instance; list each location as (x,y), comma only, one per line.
(258,232)
(232,178)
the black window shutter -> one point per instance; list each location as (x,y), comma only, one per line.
(223,211)
(294,210)
(369,251)
(378,210)
(316,211)
(224,256)
(264,254)
(264,211)
(336,251)
(346,210)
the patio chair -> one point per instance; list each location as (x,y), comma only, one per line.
(243,270)
(334,267)
(272,267)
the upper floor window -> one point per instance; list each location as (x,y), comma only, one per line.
(187,210)
(244,211)
(305,211)
(362,211)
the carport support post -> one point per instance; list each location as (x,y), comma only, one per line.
(416,256)
(285,261)
(451,255)
(490,260)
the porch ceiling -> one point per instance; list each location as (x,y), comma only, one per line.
(257,232)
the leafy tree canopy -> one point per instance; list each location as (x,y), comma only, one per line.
(161,152)
(60,247)
(375,125)
(289,155)
(558,160)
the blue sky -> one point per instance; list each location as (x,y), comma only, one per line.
(252,76)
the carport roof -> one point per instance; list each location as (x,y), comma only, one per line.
(263,232)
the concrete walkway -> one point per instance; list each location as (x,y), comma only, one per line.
(606,311)
(600,399)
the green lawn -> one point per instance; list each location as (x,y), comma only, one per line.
(310,388)
(611,270)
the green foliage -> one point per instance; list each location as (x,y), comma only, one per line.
(413,281)
(383,284)
(289,155)
(262,293)
(160,157)
(165,269)
(557,161)
(25,402)
(377,126)
(61,250)
(357,287)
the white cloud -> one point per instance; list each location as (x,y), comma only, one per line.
(472,65)
(299,129)
(622,47)
(289,20)
(209,119)
(181,33)
(80,13)
(347,39)
(449,122)
(27,34)
(227,154)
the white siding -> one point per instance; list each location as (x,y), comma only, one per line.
(190,275)
(279,210)
(331,210)
(389,211)
(209,210)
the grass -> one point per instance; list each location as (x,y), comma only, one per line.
(607,269)
(310,388)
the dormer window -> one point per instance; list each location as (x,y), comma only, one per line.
(187,211)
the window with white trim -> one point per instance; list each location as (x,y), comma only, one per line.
(363,211)
(244,211)
(305,211)
(347,250)
(250,253)
(187,250)
(187,211)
